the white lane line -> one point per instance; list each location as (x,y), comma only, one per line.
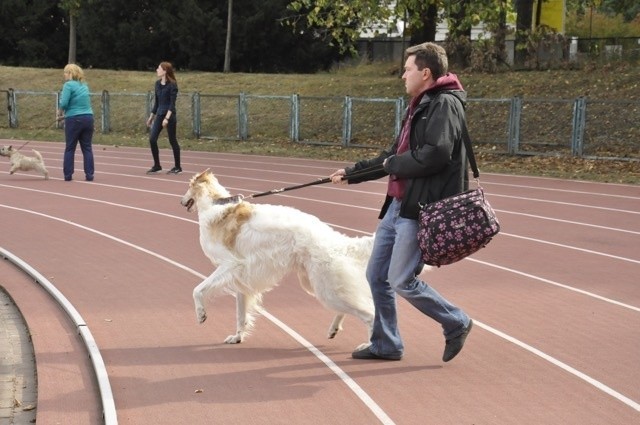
(358,391)
(579,192)
(354,230)
(571,204)
(560,285)
(559,179)
(577,223)
(344,377)
(99,369)
(575,248)
(599,385)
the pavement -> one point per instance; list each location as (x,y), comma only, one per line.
(18,384)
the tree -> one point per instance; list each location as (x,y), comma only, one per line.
(341,23)
(227,46)
(263,43)
(524,20)
(629,9)
(72,7)
(425,28)
(122,34)
(31,33)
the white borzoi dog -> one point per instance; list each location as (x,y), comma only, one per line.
(253,247)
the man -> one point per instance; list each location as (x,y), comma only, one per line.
(427,163)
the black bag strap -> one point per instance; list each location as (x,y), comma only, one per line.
(467,144)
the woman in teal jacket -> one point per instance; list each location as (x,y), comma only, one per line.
(75,107)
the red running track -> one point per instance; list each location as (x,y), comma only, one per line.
(555,299)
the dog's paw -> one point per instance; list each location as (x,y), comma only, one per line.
(336,326)
(201,315)
(333,331)
(233,339)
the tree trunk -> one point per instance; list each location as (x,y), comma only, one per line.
(72,39)
(428,30)
(460,37)
(227,47)
(524,10)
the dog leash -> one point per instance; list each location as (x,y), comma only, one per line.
(23,145)
(41,131)
(324,180)
(239,198)
(284,189)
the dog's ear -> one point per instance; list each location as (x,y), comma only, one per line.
(201,174)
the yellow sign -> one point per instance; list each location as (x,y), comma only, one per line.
(552,14)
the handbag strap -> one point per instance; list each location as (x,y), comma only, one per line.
(467,144)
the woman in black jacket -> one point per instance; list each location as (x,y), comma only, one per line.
(427,163)
(163,115)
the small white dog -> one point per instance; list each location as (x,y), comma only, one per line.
(255,245)
(21,162)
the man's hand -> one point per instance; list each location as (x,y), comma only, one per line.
(337,177)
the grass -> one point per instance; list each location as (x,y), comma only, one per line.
(609,82)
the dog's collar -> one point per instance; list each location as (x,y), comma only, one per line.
(229,200)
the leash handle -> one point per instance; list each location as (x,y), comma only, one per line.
(363,172)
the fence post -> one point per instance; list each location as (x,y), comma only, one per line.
(579,123)
(513,141)
(196,112)
(346,121)
(148,106)
(243,117)
(106,112)
(294,125)
(59,122)
(13,108)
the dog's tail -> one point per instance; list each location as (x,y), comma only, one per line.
(360,248)
(37,154)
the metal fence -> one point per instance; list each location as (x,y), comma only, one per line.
(580,127)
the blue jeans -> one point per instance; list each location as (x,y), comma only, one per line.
(392,270)
(78,128)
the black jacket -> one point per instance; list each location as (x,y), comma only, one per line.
(435,165)
(165,98)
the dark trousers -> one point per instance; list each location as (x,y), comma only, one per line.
(78,128)
(156,128)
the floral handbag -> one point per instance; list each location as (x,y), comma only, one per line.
(456,227)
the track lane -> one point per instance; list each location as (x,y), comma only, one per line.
(421,369)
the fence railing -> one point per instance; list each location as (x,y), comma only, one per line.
(578,127)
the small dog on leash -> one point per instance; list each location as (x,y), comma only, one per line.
(21,162)
(255,245)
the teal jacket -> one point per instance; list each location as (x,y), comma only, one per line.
(74,99)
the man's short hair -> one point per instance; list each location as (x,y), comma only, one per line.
(430,55)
